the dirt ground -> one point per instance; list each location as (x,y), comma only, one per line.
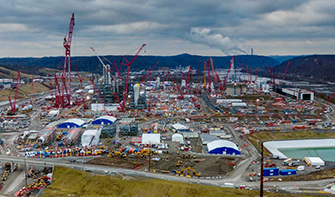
(205,165)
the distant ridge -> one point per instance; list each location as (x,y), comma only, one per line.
(92,64)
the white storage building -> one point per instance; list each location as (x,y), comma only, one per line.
(90,137)
(177,137)
(151,138)
(314,161)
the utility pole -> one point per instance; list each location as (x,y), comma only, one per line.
(25,171)
(262,168)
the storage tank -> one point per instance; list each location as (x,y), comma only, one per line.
(136,93)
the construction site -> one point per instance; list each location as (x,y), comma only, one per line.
(202,125)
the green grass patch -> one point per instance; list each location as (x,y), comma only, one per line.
(70,182)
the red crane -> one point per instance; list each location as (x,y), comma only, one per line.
(118,100)
(127,79)
(188,77)
(209,76)
(13,105)
(117,70)
(231,63)
(149,70)
(271,70)
(67,61)
(81,78)
(288,64)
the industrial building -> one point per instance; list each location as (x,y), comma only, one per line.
(297,93)
(236,89)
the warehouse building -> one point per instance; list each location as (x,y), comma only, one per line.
(223,147)
(104,120)
(71,123)
(180,128)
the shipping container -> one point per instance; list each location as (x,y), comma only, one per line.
(288,172)
(270,171)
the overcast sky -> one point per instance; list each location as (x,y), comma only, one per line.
(35,28)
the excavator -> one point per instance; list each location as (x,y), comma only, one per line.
(59,136)
(116,153)
(189,171)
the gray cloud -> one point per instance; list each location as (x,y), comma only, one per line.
(118,26)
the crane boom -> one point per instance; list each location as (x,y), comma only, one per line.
(106,69)
(67,62)
(288,64)
(231,63)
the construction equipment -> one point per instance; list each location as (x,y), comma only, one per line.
(116,154)
(59,136)
(178,164)
(13,107)
(189,172)
(8,166)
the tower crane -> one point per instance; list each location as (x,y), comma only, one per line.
(13,105)
(67,62)
(127,78)
(106,69)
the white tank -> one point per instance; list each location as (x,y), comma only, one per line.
(136,93)
(183,83)
(158,82)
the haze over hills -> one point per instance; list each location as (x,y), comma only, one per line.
(92,64)
(315,67)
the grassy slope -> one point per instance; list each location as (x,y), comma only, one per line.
(295,135)
(22,92)
(70,182)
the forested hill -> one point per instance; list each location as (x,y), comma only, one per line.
(92,64)
(321,67)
